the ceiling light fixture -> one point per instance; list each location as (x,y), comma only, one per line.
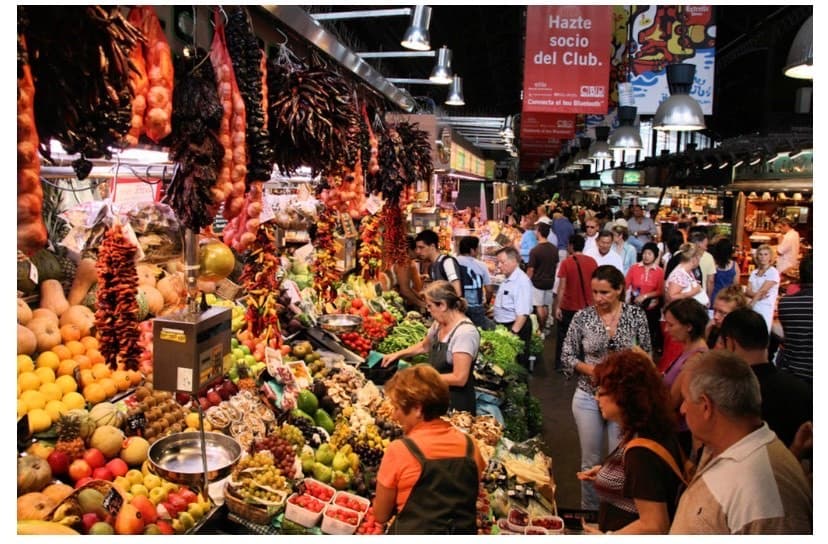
(755,161)
(680,111)
(442,73)
(455,96)
(599,150)
(800,63)
(582,158)
(626,136)
(416,36)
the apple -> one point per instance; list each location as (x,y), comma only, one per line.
(205,404)
(59,462)
(166,528)
(187,494)
(79,469)
(151,481)
(82,482)
(102,528)
(102,473)
(94,457)
(158,495)
(117,467)
(89,520)
(182,398)
(170,510)
(213,398)
(139,489)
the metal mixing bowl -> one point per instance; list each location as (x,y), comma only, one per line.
(177,457)
(340,322)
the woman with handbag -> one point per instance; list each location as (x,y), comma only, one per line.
(645,288)
(606,326)
(640,480)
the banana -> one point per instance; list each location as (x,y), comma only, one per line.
(64,510)
(70,521)
(36,527)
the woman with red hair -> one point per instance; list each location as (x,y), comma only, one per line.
(637,487)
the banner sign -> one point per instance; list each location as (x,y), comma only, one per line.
(668,35)
(535,125)
(567,59)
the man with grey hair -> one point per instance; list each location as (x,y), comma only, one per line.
(747,481)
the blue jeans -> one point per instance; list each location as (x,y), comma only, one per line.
(592,429)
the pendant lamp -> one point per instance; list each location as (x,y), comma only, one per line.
(582,158)
(599,150)
(800,63)
(626,137)
(442,73)
(680,111)
(416,36)
(455,96)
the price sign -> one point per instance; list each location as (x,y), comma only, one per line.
(113,502)
(273,360)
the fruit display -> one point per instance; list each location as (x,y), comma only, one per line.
(153,414)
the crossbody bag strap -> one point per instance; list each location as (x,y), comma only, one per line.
(659,450)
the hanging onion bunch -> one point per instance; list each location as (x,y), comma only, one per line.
(197,115)
(313,118)
(247,67)
(80,62)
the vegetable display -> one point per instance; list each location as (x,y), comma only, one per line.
(31,231)
(404,335)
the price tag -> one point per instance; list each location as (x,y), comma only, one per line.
(136,423)
(267,210)
(374,204)
(33,275)
(273,360)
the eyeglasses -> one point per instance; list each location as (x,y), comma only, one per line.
(592,226)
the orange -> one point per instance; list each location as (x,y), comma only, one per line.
(67,367)
(94,393)
(46,374)
(76,347)
(62,351)
(73,400)
(90,342)
(95,356)
(86,377)
(100,370)
(83,361)
(135,377)
(108,385)
(28,381)
(24,363)
(51,391)
(70,332)
(121,379)
(67,384)
(48,359)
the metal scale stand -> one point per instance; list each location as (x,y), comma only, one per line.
(189,347)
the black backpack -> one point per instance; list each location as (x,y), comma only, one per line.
(470,280)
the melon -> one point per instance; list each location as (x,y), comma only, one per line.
(58,491)
(34,506)
(106,413)
(135,451)
(33,474)
(108,439)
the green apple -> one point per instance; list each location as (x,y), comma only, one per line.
(238,353)
(186,520)
(196,510)
(168,486)
(135,476)
(234,343)
(139,489)
(158,495)
(245,349)
(151,481)
(178,527)
(152,529)
(122,482)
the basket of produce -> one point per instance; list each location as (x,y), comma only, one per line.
(256,513)
(338,323)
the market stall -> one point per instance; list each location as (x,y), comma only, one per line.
(206,351)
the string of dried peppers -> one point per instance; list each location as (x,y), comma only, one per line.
(262,285)
(325,271)
(369,254)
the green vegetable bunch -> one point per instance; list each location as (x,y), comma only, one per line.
(404,335)
(499,346)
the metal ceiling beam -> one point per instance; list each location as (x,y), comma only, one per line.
(361,14)
(304,24)
(395,54)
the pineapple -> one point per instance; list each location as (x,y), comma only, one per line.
(68,429)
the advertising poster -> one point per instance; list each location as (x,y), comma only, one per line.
(567,59)
(537,126)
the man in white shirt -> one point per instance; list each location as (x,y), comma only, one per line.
(603,253)
(642,228)
(788,250)
(513,302)
(591,230)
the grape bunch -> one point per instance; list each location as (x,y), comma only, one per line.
(282,451)
(310,433)
(388,429)
(292,434)
(342,434)
(260,480)
(370,457)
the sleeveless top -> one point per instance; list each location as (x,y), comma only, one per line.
(722,279)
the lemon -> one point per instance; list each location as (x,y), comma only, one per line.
(28,381)
(34,399)
(51,391)
(48,359)
(39,420)
(55,408)
(24,363)
(46,374)
(67,384)
(74,400)
(22,408)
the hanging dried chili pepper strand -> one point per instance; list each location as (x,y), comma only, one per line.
(325,272)
(370,255)
(259,280)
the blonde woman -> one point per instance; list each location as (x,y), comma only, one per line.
(763,284)
(682,283)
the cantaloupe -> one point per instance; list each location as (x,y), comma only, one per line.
(108,439)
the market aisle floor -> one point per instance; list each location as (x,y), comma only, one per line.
(559,432)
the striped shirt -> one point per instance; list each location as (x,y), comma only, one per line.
(756,486)
(796,313)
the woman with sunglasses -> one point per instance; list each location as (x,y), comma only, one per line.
(606,326)
(638,489)
(451,344)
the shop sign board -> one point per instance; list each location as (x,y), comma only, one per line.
(540,125)
(668,35)
(567,59)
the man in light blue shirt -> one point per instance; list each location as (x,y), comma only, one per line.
(513,302)
(467,252)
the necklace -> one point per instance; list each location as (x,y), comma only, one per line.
(609,327)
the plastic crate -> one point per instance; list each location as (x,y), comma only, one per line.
(330,490)
(363,502)
(301,515)
(333,526)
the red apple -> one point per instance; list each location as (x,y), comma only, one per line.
(83,481)
(171,509)
(117,467)
(59,462)
(182,398)
(187,494)
(79,469)
(166,528)
(213,398)
(205,404)
(89,520)
(102,473)
(94,457)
